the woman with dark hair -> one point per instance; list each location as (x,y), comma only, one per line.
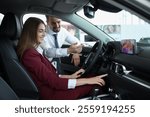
(49,83)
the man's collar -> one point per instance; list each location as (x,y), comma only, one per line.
(49,30)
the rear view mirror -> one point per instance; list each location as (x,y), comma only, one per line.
(89,11)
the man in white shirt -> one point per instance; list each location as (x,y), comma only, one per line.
(48,47)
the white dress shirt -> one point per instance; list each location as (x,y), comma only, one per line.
(62,36)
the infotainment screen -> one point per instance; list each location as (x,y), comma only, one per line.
(128,46)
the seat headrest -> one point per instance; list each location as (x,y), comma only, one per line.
(10,26)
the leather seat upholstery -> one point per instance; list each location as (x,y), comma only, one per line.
(6,92)
(13,72)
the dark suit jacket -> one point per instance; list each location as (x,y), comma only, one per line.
(47,80)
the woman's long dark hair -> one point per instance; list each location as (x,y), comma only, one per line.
(28,37)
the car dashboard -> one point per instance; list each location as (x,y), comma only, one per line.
(128,73)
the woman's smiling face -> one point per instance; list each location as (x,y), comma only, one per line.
(41,32)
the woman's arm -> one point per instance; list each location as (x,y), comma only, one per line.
(84,81)
(75,75)
(93,80)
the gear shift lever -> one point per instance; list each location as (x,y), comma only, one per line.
(95,93)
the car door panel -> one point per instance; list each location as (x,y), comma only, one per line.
(129,74)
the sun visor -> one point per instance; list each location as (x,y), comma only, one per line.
(102,5)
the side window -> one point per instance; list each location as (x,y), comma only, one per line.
(82,36)
(41,16)
(1,17)
(71,28)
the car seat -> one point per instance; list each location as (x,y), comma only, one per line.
(6,93)
(13,72)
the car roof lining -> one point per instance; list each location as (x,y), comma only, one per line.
(132,6)
(65,6)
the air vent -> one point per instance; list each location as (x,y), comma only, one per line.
(119,69)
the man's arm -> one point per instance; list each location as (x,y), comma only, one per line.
(55,52)
(60,52)
(72,39)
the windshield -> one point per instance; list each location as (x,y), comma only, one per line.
(121,25)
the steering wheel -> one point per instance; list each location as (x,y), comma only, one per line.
(92,57)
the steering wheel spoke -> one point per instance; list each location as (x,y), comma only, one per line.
(92,57)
